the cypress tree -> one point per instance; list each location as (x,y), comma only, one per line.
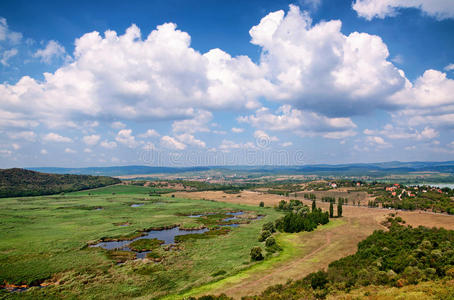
(313,205)
(331,210)
(339,210)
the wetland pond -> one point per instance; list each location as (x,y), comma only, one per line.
(165,235)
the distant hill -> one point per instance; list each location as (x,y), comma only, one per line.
(359,169)
(21,182)
(119,171)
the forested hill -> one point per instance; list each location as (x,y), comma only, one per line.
(20,182)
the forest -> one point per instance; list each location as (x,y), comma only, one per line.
(20,182)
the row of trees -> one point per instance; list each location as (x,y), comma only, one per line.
(271,246)
(300,218)
(331,209)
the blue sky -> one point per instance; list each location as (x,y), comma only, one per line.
(225,82)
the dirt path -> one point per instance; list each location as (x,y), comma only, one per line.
(310,252)
(263,281)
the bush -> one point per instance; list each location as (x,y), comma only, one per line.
(264,235)
(269,226)
(271,241)
(262,204)
(256,254)
(318,280)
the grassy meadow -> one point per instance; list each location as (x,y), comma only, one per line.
(44,239)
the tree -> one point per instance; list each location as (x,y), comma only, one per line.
(269,226)
(318,280)
(270,241)
(256,253)
(313,205)
(262,204)
(331,210)
(264,235)
(339,210)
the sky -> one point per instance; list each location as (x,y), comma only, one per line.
(183,83)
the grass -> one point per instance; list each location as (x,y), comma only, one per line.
(145,245)
(45,238)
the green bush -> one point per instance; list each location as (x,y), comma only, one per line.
(318,280)
(256,254)
(264,235)
(271,241)
(269,226)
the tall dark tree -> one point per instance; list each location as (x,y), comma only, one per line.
(313,205)
(331,210)
(339,210)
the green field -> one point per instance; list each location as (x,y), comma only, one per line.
(45,238)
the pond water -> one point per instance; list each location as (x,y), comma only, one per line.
(137,204)
(234,216)
(166,235)
(195,216)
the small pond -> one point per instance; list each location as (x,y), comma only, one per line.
(234,216)
(166,235)
(137,204)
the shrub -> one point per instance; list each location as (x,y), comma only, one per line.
(318,280)
(269,226)
(262,204)
(256,254)
(264,235)
(219,273)
(271,241)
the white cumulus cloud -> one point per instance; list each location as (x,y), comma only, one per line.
(172,143)
(108,144)
(52,50)
(369,9)
(301,122)
(189,139)
(91,140)
(149,133)
(126,138)
(55,137)
(317,67)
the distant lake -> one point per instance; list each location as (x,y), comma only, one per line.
(439,185)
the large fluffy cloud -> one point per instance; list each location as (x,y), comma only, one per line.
(127,77)
(317,67)
(303,123)
(369,9)
(429,101)
(320,77)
